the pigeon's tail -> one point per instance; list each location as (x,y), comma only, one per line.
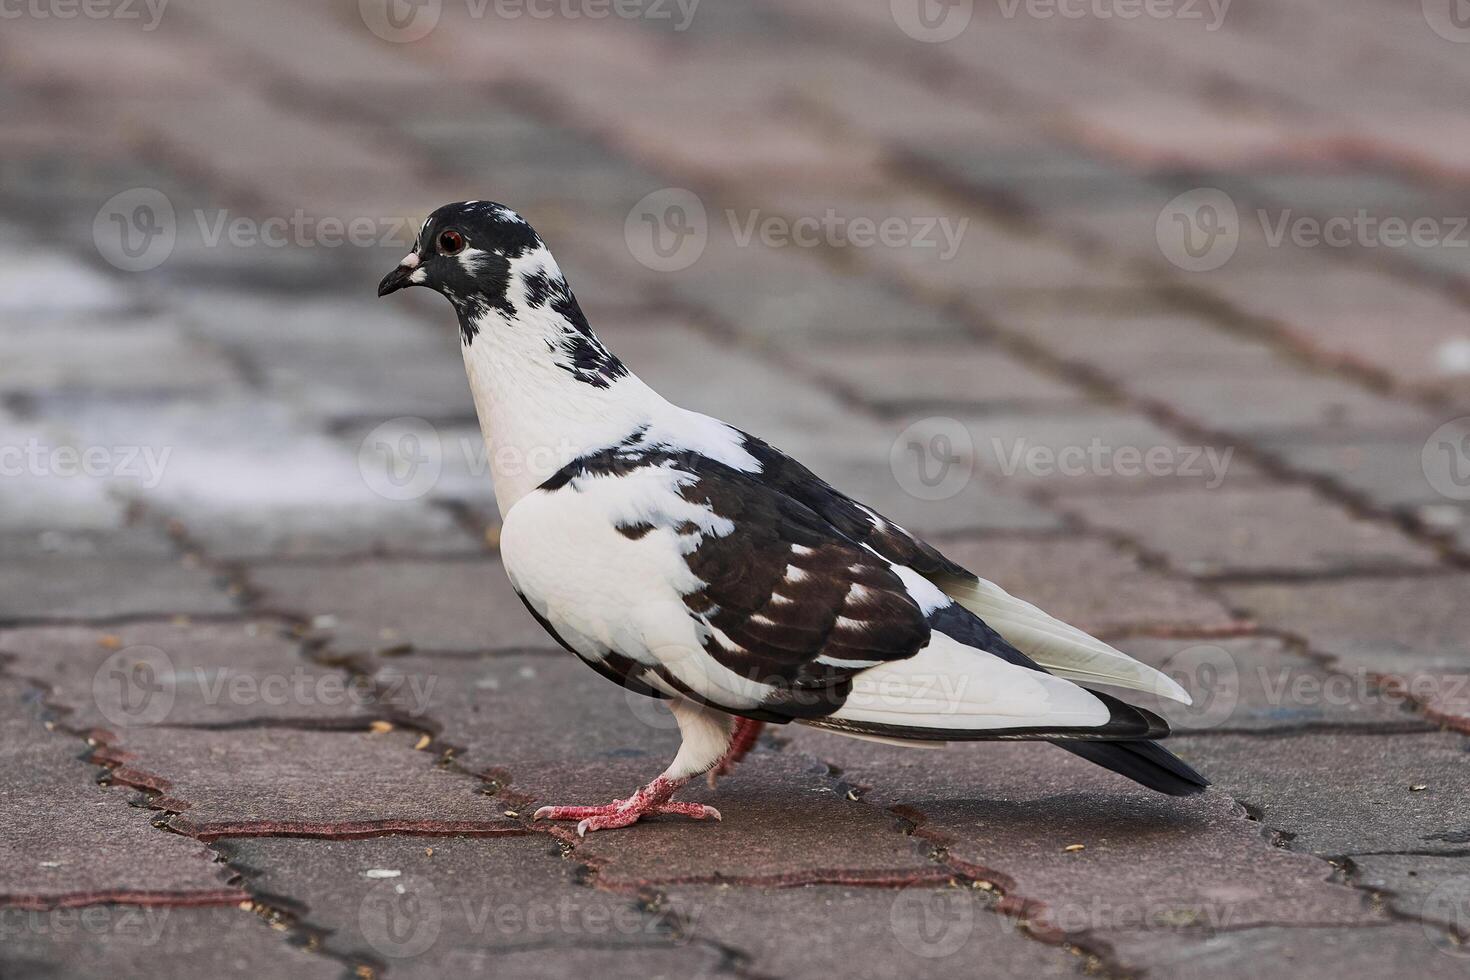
(1147,763)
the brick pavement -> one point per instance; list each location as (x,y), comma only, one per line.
(269,707)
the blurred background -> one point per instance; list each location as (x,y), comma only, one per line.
(1238,223)
(1154,311)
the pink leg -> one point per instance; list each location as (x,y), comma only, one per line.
(746,733)
(651,800)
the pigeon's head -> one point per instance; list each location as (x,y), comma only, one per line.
(468,252)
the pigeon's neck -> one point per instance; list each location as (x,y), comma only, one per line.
(545,388)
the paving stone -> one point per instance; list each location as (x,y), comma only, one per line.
(1365,316)
(972,375)
(1261,684)
(71,587)
(144,356)
(916,931)
(40,282)
(217,468)
(271,781)
(67,841)
(1281,401)
(1388,625)
(492,906)
(784,822)
(170,673)
(1336,794)
(1252,531)
(135,941)
(595,742)
(1388,470)
(1326,953)
(465,605)
(1008,811)
(1422,886)
(1123,345)
(1442,695)
(1091,450)
(801,302)
(494,710)
(1090,584)
(757,395)
(976,505)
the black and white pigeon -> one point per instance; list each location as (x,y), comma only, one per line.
(689,561)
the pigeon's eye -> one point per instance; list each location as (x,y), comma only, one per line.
(451,242)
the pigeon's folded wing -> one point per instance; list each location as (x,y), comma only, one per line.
(1061,648)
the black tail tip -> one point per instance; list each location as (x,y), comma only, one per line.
(1146,763)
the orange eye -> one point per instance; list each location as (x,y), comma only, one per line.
(451,242)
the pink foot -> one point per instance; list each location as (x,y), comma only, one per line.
(651,800)
(746,733)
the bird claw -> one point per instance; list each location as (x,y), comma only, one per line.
(622,813)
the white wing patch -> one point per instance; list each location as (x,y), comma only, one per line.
(1064,650)
(948,685)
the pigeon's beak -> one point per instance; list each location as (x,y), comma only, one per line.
(398,278)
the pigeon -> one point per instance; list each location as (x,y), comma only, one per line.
(694,563)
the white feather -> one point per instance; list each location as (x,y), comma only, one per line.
(1062,649)
(951,686)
